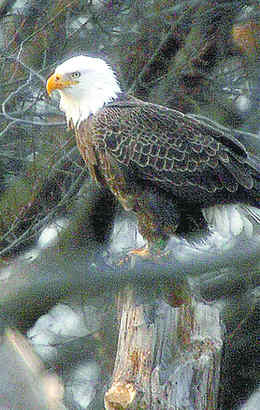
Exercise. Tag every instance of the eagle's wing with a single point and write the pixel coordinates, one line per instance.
(174, 150)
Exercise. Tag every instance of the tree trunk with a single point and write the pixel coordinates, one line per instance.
(169, 362)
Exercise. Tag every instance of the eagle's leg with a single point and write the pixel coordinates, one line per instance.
(158, 218)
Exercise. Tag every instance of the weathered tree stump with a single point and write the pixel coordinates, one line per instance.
(172, 362)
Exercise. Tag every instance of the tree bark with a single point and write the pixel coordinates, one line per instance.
(169, 362)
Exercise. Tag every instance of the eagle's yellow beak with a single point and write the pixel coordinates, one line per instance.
(58, 82)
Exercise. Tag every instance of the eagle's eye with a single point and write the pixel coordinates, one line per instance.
(76, 74)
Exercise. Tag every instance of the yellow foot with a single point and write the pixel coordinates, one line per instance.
(144, 253)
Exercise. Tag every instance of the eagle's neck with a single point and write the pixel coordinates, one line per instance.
(87, 100)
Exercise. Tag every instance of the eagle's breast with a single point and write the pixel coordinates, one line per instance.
(102, 167)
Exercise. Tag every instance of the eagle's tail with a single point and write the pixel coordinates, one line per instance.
(251, 212)
(254, 164)
(232, 220)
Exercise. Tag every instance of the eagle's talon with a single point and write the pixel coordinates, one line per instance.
(145, 253)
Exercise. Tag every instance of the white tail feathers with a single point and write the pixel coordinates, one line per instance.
(232, 220)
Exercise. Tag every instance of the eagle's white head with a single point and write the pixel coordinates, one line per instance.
(85, 84)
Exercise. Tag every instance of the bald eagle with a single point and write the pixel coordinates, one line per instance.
(163, 165)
